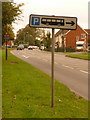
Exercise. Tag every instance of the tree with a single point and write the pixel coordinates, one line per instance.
(37, 43)
(10, 13)
(28, 35)
(46, 39)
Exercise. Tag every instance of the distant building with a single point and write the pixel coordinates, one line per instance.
(9, 43)
(68, 38)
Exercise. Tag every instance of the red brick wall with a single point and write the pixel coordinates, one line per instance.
(9, 43)
(71, 37)
(88, 31)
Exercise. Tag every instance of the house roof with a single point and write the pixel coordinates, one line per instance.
(79, 27)
(88, 31)
(65, 32)
(61, 32)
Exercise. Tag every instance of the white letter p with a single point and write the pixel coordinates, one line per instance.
(36, 20)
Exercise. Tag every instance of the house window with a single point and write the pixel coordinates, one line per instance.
(83, 36)
(77, 38)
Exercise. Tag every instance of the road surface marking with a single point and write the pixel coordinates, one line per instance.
(56, 63)
(84, 71)
(67, 66)
(45, 60)
(25, 56)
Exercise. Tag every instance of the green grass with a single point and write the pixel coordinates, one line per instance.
(27, 90)
(85, 56)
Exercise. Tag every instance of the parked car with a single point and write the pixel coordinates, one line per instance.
(26, 46)
(30, 47)
(20, 47)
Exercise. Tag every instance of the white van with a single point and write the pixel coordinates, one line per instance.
(42, 47)
(80, 45)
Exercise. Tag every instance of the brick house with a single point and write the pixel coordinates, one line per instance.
(10, 43)
(68, 38)
(88, 31)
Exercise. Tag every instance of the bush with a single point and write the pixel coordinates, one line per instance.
(65, 50)
(59, 50)
(70, 50)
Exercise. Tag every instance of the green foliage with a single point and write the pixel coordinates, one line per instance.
(28, 35)
(85, 56)
(9, 29)
(10, 13)
(70, 49)
(61, 49)
(46, 39)
(37, 43)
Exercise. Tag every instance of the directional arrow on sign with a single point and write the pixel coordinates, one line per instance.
(72, 23)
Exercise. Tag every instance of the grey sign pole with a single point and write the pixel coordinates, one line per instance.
(6, 39)
(52, 68)
(59, 22)
(6, 50)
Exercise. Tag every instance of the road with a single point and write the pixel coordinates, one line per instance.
(72, 72)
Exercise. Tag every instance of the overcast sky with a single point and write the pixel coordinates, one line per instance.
(73, 8)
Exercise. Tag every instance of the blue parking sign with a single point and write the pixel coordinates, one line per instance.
(35, 20)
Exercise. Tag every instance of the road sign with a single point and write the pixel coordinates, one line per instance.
(54, 22)
(57, 22)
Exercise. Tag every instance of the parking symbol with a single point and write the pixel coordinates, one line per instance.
(35, 20)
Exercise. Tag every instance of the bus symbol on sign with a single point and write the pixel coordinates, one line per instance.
(35, 20)
(52, 21)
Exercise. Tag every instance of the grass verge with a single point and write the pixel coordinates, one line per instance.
(27, 90)
(85, 56)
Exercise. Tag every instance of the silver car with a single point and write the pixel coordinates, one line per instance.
(20, 47)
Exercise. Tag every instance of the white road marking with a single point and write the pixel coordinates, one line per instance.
(68, 66)
(56, 63)
(45, 60)
(25, 56)
(84, 71)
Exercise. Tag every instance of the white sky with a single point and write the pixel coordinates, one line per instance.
(72, 8)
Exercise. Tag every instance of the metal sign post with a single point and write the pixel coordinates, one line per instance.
(6, 38)
(6, 50)
(52, 68)
(54, 22)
